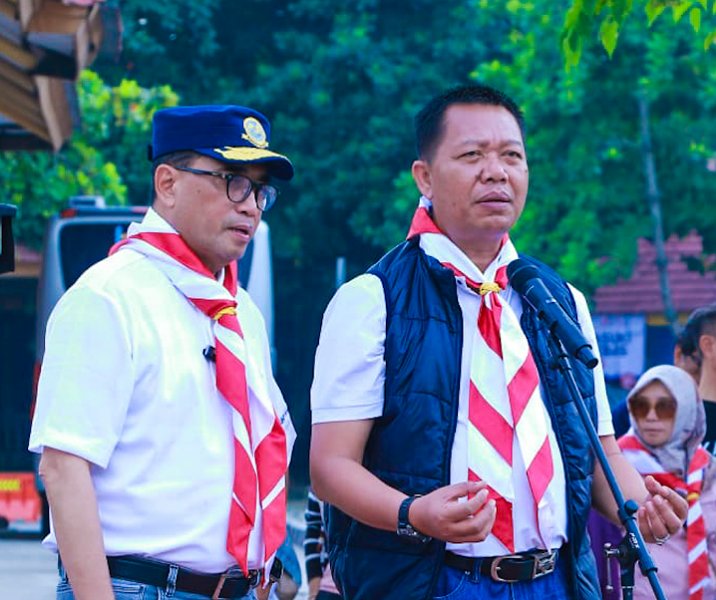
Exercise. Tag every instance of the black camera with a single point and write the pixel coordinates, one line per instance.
(7, 245)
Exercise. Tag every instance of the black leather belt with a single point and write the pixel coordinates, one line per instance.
(509, 569)
(232, 584)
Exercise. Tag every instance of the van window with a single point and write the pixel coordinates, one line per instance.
(84, 244)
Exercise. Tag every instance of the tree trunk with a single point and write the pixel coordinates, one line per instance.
(653, 197)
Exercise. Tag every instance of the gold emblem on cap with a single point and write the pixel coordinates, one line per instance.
(254, 132)
(246, 153)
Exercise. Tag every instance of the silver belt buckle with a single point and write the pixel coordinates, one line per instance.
(545, 563)
(496, 565)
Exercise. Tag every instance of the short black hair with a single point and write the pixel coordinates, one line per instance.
(429, 121)
(688, 345)
(181, 158)
(701, 321)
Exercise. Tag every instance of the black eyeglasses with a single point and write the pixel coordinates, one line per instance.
(239, 187)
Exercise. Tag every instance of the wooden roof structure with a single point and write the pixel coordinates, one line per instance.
(641, 293)
(44, 44)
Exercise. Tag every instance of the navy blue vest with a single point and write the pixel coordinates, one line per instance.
(410, 445)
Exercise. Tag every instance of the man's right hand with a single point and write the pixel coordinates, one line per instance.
(447, 515)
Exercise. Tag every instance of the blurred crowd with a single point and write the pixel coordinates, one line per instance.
(667, 429)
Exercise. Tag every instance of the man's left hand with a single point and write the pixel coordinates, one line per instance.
(662, 514)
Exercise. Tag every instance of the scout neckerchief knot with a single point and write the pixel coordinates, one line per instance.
(259, 439)
(504, 402)
(646, 464)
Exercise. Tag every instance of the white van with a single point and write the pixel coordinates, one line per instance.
(82, 235)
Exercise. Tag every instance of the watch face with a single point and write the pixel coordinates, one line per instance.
(407, 532)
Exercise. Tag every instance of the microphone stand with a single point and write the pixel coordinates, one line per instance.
(632, 546)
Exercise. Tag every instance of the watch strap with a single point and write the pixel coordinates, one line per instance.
(405, 529)
(404, 511)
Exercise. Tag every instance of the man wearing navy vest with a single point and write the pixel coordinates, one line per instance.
(443, 438)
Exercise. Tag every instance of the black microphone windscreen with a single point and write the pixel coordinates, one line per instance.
(519, 272)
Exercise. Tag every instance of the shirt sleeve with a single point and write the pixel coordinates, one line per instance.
(604, 413)
(87, 377)
(349, 371)
(312, 542)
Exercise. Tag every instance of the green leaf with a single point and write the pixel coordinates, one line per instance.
(572, 50)
(709, 40)
(653, 9)
(608, 34)
(679, 8)
(573, 15)
(695, 18)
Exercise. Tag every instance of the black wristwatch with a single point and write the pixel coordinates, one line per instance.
(405, 529)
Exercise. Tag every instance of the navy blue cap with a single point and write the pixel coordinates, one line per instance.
(230, 134)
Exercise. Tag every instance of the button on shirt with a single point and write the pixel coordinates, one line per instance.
(125, 386)
(349, 385)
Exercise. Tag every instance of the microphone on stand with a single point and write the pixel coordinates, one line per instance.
(525, 279)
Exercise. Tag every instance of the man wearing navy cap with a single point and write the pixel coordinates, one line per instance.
(164, 437)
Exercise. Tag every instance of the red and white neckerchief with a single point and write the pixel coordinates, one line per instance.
(646, 464)
(260, 456)
(505, 404)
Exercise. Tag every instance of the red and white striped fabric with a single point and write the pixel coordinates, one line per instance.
(646, 464)
(505, 403)
(259, 439)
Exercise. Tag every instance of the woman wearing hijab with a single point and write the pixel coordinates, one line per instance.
(667, 426)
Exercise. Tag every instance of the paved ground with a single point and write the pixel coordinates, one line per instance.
(29, 572)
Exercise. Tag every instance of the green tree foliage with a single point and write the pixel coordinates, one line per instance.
(105, 157)
(116, 121)
(588, 178)
(341, 81)
(606, 18)
(168, 42)
(346, 79)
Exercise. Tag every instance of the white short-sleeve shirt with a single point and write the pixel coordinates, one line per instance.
(125, 385)
(348, 385)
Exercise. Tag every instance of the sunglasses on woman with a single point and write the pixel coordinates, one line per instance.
(640, 407)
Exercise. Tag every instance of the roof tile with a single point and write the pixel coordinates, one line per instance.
(641, 293)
